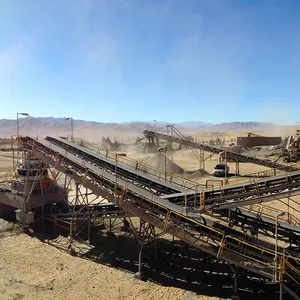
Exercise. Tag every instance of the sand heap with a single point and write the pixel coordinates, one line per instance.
(197, 174)
(159, 161)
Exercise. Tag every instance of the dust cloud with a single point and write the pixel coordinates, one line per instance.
(275, 111)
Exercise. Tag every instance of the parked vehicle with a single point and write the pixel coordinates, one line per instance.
(221, 170)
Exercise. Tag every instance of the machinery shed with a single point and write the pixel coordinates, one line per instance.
(251, 141)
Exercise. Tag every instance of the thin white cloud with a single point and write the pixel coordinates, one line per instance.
(11, 60)
(101, 51)
(80, 11)
(15, 59)
(213, 63)
(98, 49)
(274, 110)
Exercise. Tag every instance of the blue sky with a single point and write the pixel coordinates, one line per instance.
(169, 60)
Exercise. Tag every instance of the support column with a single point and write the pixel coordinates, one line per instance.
(235, 271)
(139, 273)
(201, 160)
(27, 192)
(145, 234)
(237, 168)
(73, 219)
(281, 270)
(86, 198)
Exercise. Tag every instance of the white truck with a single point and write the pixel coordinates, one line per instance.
(221, 170)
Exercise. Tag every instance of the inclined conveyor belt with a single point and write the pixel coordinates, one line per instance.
(206, 233)
(108, 179)
(260, 187)
(233, 155)
(235, 192)
(249, 221)
(125, 171)
(94, 211)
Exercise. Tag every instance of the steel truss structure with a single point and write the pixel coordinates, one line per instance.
(145, 235)
(151, 136)
(206, 234)
(218, 200)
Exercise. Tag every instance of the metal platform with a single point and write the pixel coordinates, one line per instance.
(208, 235)
(20, 201)
(215, 199)
(254, 191)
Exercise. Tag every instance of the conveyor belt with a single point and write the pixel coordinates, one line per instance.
(123, 159)
(143, 179)
(257, 256)
(233, 155)
(218, 199)
(253, 223)
(240, 191)
(255, 199)
(109, 179)
(94, 211)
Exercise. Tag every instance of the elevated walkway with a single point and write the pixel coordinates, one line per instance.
(218, 200)
(125, 167)
(209, 236)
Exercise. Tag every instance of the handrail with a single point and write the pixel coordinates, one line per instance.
(292, 267)
(262, 250)
(212, 180)
(287, 255)
(219, 233)
(234, 180)
(137, 165)
(263, 210)
(291, 277)
(288, 268)
(256, 183)
(257, 175)
(104, 171)
(224, 242)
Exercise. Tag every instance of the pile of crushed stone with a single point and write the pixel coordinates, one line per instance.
(8, 228)
(197, 174)
(159, 161)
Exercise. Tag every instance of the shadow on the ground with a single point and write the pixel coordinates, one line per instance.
(178, 265)
(175, 264)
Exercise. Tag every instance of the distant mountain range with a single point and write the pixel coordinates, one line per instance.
(192, 124)
(58, 126)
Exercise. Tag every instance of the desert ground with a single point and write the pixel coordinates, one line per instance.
(31, 268)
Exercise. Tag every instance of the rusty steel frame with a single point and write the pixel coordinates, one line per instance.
(198, 240)
(145, 235)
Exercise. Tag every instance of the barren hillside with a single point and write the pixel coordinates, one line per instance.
(124, 131)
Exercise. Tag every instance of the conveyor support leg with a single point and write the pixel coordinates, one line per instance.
(235, 272)
(237, 168)
(145, 235)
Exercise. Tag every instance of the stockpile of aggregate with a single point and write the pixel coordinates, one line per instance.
(159, 161)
